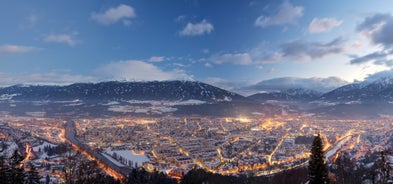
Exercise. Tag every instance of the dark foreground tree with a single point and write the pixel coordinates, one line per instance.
(141, 176)
(15, 171)
(317, 168)
(32, 176)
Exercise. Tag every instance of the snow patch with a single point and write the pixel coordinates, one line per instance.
(7, 96)
(11, 147)
(112, 103)
(228, 99)
(36, 114)
(129, 155)
(74, 104)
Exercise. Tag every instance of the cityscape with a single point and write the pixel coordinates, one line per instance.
(229, 146)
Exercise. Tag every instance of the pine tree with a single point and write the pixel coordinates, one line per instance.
(317, 168)
(47, 179)
(32, 174)
(3, 169)
(15, 171)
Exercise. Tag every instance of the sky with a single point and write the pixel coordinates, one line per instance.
(230, 44)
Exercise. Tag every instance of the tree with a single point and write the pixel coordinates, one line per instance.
(317, 168)
(70, 168)
(32, 174)
(3, 169)
(346, 171)
(47, 179)
(15, 171)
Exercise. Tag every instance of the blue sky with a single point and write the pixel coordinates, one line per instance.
(231, 43)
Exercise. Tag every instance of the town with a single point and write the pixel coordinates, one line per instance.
(174, 145)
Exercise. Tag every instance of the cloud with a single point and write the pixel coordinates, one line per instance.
(131, 70)
(377, 28)
(285, 83)
(61, 38)
(296, 51)
(236, 86)
(379, 75)
(16, 49)
(201, 28)
(122, 13)
(323, 25)
(301, 50)
(271, 58)
(138, 71)
(51, 78)
(286, 14)
(157, 59)
(208, 65)
(375, 57)
(237, 58)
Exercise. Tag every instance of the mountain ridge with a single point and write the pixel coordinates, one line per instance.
(119, 98)
(116, 90)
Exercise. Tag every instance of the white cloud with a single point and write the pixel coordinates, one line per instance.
(286, 14)
(377, 29)
(378, 75)
(61, 38)
(157, 59)
(230, 85)
(295, 51)
(15, 49)
(203, 27)
(237, 58)
(323, 25)
(138, 71)
(131, 70)
(208, 65)
(122, 13)
(51, 78)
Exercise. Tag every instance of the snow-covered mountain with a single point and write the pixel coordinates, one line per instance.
(378, 91)
(120, 91)
(123, 98)
(297, 94)
(368, 99)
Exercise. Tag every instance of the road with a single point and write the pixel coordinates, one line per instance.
(112, 169)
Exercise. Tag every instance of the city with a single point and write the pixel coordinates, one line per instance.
(175, 145)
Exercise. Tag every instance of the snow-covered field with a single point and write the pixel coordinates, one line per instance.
(7, 96)
(42, 155)
(129, 155)
(141, 109)
(36, 114)
(167, 103)
(155, 107)
(11, 147)
(113, 160)
(42, 146)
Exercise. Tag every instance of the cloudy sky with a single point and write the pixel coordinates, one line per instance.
(226, 43)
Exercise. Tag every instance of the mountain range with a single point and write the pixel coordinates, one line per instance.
(123, 98)
(111, 98)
